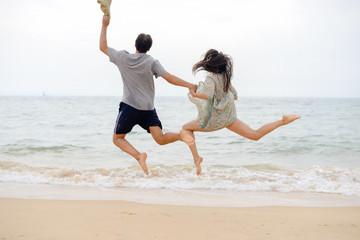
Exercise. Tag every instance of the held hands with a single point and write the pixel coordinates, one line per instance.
(193, 93)
(193, 88)
(198, 95)
(106, 20)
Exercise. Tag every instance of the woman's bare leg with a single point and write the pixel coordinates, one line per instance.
(244, 130)
(187, 136)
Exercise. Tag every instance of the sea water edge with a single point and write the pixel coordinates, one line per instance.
(317, 158)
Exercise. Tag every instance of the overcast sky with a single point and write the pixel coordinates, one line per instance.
(280, 48)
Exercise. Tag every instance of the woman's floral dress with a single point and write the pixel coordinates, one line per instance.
(219, 111)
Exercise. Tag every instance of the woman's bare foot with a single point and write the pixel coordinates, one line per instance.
(289, 118)
(186, 138)
(197, 165)
(142, 162)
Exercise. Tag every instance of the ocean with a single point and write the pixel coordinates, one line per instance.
(67, 141)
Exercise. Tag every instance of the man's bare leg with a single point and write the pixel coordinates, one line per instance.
(163, 138)
(170, 137)
(120, 141)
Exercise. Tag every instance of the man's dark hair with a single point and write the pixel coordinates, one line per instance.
(143, 42)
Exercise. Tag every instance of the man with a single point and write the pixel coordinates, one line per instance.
(137, 105)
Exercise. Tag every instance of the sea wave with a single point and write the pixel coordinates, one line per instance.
(21, 149)
(262, 177)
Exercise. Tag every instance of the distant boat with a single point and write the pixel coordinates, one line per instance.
(44, 94)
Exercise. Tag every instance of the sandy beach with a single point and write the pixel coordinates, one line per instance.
(115, 219)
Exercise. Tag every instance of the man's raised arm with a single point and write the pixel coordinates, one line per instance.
(103, 40)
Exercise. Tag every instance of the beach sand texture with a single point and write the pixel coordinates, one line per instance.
(69, 219)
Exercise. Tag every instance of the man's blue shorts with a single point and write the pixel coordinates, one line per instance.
(128, 117)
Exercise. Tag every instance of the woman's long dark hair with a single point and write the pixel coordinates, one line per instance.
(216, 62)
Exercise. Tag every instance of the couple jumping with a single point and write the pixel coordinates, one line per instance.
(214, 98)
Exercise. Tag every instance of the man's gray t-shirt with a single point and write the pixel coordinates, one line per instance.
(137, 73)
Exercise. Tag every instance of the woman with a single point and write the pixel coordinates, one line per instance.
(214, 99)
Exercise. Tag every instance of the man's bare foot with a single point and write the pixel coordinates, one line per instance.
(142, 162)
(197, 165)
(186, 138)
(289, 118)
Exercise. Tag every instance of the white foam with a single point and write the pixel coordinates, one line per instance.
(313, 180)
